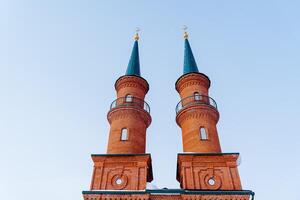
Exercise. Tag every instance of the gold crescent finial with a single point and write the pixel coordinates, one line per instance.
(185, 34)
(136, 35)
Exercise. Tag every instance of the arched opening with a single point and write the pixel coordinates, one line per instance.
(128, 98)
(203, 134)
(124, 134)
(197, 96)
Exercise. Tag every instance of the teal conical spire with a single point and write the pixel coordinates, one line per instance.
(189, 64)
(133, 67)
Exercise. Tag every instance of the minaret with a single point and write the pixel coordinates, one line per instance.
(129, 114)
(197, 113)
(202, 165)
(126, 166)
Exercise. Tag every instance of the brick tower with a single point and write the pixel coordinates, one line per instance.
(202, 166)
(204, 172)
(126, 166)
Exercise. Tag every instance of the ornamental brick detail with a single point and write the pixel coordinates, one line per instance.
(129, 113)
(192, 79)
(215, 197)
(112, 172)
(132, 84)
(116, 196)
(208, 172)
(200, 112)
(164, 197)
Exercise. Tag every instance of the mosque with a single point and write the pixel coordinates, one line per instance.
(203, 170)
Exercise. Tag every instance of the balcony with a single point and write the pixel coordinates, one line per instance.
(130, 102)
(195, 100)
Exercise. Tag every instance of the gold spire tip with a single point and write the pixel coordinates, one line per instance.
(185, 34)
(136, 35)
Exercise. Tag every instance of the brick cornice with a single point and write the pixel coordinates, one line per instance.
(148, 196)
(116, 196)
(192, 79)
(122, 113)
(198, 112)
(132, 81)
(214, 197)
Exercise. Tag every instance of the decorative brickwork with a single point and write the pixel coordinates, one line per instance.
(208, 172)
(166, 196)
(215, 197)
(126, 113)
(187, 84)
(198, 112)
(116, 196)
(121, 172)
(134, 85)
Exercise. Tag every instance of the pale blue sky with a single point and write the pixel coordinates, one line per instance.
(59, 61)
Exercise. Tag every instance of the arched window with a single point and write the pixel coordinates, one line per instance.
(128, 98)
(124, 134)
(197, 96)
(203, 133)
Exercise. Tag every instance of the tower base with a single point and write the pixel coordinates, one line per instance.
(121, 171)
(208, 171)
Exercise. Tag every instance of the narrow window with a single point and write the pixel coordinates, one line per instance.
(128, 98)
(124, 134)
(203, 134)
(197, 96)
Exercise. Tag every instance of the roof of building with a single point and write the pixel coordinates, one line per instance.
(133, 67)
(189, 63)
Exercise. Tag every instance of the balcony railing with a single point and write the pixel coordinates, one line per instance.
(130, 101)
(195, 100)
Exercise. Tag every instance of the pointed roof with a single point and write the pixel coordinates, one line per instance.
(133, 67)
(189, 64)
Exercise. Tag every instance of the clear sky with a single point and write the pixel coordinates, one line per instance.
(59, 61)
